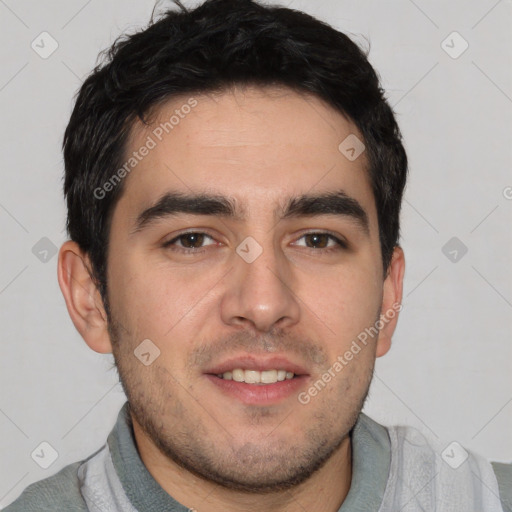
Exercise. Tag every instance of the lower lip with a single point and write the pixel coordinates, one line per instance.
(259, 394)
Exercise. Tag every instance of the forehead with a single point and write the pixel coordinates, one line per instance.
(256, 145)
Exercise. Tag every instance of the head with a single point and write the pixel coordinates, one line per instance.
(233, 179)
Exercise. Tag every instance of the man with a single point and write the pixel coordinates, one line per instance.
(233, 179)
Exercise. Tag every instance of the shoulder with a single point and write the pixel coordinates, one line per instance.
(503, 474)
(415, 447)
(58, 493)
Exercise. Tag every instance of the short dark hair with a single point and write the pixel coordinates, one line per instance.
(217, 45)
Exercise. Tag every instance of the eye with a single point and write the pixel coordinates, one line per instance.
(194, 241)
(188, 241)
(322, 240)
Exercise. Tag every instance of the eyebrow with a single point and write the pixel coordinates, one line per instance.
(306, 205)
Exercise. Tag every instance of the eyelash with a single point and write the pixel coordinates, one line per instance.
(170, 244)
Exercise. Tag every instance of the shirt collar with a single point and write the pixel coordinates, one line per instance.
(371, 459)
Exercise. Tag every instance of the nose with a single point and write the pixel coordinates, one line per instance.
(259, 294)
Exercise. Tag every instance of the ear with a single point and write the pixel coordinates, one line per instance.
(82, 297)
(391, 300)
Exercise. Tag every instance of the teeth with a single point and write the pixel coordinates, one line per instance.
(238, 375)
(269, 376)
(252, 377)
(256, 377)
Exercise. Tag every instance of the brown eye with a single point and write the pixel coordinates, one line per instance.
(317, 240)
(192, 240)
(322, 241)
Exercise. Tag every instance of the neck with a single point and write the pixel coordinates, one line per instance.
(325, 490)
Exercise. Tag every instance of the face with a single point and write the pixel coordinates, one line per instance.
(274, 271)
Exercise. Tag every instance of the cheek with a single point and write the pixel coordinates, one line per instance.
(158, 301)
(346, 301)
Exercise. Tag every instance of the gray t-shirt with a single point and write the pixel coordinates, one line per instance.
(392, 467)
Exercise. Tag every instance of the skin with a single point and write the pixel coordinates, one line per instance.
(258, 146)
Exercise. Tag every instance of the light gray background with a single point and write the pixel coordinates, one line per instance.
(449, 371)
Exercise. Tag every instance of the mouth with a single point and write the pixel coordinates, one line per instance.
(256, 377)
(256, 381)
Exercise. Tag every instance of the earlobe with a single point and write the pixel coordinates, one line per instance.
(83, 300)
(391, 301)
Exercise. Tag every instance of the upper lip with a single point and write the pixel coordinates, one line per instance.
(251, 362)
